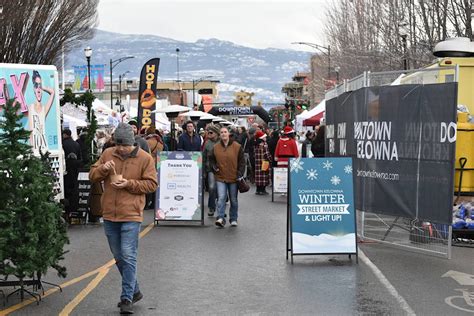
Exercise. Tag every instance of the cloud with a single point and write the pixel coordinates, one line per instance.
(258, 24)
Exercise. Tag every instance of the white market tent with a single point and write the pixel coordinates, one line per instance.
(73, 123)
(311, 117)
(100, 107)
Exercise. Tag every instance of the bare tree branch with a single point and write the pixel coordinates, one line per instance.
(35, 32)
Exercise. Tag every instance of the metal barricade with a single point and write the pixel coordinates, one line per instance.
(408, 233)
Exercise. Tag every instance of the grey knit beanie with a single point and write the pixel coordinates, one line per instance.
(213, 128)
(123, 135)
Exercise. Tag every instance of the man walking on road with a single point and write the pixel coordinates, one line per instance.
(189, 140)
(128, 173)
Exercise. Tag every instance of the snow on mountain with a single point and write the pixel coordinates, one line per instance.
(262, 71)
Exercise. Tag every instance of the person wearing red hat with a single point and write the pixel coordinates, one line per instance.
(286, 147)
(262, 163)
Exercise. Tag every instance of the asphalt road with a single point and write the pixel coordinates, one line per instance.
(243, 271)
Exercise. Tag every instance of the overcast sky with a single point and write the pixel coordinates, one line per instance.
(258, 24)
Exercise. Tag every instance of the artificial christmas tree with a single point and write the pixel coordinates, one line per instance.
(30, 218)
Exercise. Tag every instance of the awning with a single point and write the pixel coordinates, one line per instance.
(314, 116)
(314, 120)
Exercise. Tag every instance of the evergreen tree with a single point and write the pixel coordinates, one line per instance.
(32, 233)
(86, 100)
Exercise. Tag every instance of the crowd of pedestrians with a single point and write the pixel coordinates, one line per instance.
(126, 167)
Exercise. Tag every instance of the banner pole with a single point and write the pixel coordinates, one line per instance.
(288, 206)
(273, 186)
(203, 185)
(288, 233)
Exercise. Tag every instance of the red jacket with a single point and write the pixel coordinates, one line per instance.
(286, 148)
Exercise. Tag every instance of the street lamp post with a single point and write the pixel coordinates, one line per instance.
(113, 64)
(120, 85)
(177, 64)
(196, 82)
(405, 59)
(88, 53)
(320, 48)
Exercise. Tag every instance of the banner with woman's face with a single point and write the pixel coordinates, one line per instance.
(35, 88)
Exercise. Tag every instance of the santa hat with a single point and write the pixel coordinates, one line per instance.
(260, 135)
(288, 130)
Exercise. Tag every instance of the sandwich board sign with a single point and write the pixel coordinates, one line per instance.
(321, 212)
(180, 194)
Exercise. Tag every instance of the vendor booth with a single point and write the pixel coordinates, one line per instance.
(312, 117)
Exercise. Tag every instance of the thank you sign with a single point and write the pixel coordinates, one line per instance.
(179, 196)
(322, 206)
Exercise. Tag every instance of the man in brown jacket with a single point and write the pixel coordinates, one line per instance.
(228, 163)
(128, 173)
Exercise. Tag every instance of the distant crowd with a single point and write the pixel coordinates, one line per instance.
(262, 148)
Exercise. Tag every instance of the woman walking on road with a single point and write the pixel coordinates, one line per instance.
(228, 163)
(212, 139)
(262, 163)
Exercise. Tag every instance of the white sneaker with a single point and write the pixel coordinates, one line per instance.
(233, 224)
(220, 223)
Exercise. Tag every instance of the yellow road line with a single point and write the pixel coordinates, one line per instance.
(55, 289)
(82, 295)
(27, 302)
(147, 229)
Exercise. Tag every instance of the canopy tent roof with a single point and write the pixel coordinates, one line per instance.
(314, 116)
(314, 120)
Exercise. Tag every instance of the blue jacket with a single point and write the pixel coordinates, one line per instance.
(187, 143)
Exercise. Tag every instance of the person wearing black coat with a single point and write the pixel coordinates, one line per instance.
(317, 146)
(85, 151)
(272, 143)
(72, 152)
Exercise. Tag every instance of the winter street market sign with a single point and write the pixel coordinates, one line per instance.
(322, 206)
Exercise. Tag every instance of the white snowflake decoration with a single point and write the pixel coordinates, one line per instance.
(348, 169)
(312, 174)
(296, 165)
(327, 165)
(335, 180)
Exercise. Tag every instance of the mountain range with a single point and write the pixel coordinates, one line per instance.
(262, 71)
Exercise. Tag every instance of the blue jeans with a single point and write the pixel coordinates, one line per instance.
(222, 189)
(211, 181)
(123, 242)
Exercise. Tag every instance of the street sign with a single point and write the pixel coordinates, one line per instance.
(179, 196)
(280, 180)
(321, 209)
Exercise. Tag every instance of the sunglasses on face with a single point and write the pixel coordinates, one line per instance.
(37, 85)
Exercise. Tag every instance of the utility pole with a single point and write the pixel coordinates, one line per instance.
(405, 51)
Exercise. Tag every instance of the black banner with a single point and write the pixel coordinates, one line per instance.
(402, 139)
(147, 93)
(241, 111)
